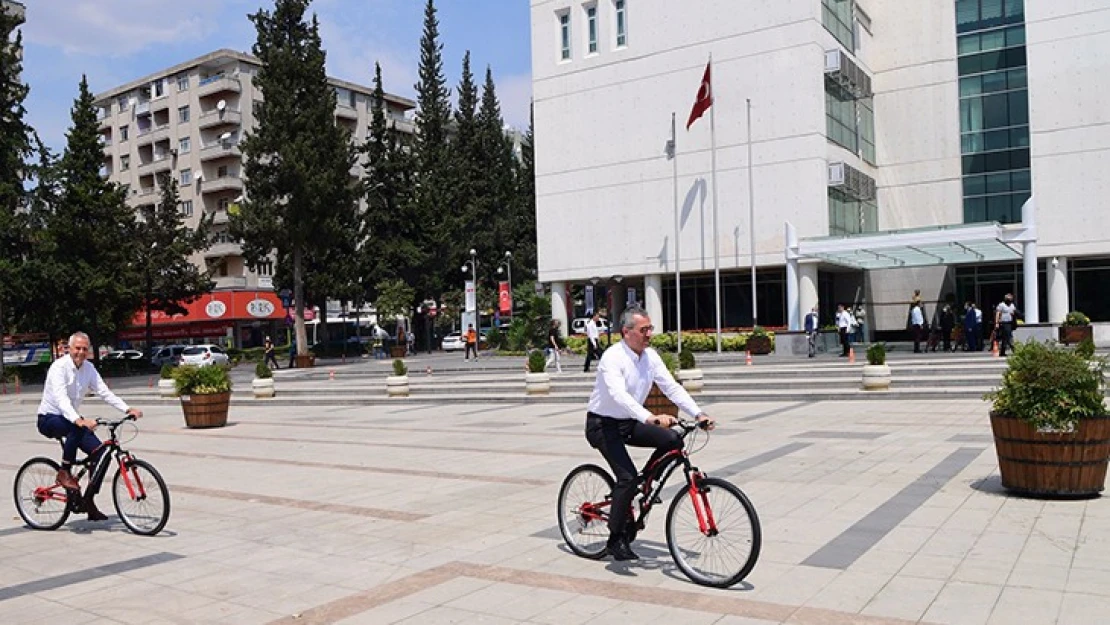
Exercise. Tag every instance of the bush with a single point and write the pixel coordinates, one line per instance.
(1050, 387)
(686, 359)
(876, 354)
(1086, 348)
(1076, 318)
(191, 380)
(577, 344)
(537, 363)
(665, 341)
(670, 360)
(262, 372)
(166, 373)
(399, 368)
(496, 338)
(734, 343)
(519, 337)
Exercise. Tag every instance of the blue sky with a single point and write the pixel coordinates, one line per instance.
(116, 41)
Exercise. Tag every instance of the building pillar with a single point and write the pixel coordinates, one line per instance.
(619, 295)
(1031, 305)
(1057, 283)
(559, 305)
(807, 288)
(653, 299)
(793, 307)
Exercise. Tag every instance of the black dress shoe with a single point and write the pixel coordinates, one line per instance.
(620, 550)
(94, 513)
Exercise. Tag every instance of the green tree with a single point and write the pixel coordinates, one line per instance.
(91, 271)
(163, 244)
(300, 198)
(524, 207)
(394, 298)
(15, 149)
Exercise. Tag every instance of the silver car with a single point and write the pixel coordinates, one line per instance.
(204, 355)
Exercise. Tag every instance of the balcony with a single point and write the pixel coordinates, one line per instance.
(160, 104)
(157, 164)
(142, 108)
(151, 134)
(143, 195)
(346, 111)
(230, 282)
(213, 119)
(218, 84)
(220, 250)
(219, 217)
(227, 183)
(219, 150)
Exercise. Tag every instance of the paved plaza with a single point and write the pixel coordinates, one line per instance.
(872, 512)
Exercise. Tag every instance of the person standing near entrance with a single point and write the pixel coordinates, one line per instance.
(1004, 316)
(971, 328)
(593, 341)
(917, 325)
(811, 331)
(843, 323)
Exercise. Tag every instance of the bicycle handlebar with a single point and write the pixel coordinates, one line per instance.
(114, 424)
(687, 425)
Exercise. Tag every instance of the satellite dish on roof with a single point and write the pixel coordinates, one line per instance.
(221, 105)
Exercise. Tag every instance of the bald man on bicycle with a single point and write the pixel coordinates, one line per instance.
(616, 416)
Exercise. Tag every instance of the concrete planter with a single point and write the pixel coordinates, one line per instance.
(537, 383)
(262, 387)
(691, 379)
(876, 377)
(166, 387)
(397, 386)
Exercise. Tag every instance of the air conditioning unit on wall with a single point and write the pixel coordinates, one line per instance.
(851, 181)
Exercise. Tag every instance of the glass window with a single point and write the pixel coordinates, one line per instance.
(992, 40)
(183, 115)
(1015, 36)
(1017, 78)
(1019, 137)
(123, 132)
(975, 185)
(975, 210)
(186, 208)
(158, 88)
(998, 183)
(990, 11)
(591, 29)
(186, 177)
(867, 130)
(124, 162)
(1020, 180)
(968, 44)
(123, 102)
(622, 24)
(994, 81)
(999, 208)
(183, 82)
(840, 113)
(183, 145)
(996, 111)
(836, 15)
(973, 85)
(564, 36)
(1018, 107)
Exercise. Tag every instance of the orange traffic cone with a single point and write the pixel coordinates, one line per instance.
(150, 382)
(851, 355)
(748, 358)
(17, 385)
(994, 348)
(331, 374)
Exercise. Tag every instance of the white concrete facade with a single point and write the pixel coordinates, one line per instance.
(602, 119)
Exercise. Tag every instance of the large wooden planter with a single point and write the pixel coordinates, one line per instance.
(1070, 335)
(1052, 463)
(206, 411)
(305, 362)
(658, 403)
(758, 345)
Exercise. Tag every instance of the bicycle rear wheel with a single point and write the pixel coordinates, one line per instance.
(141, 498)
(39, 499)
(584, 510)
(727, 551)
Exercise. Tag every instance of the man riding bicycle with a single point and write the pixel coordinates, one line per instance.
(616, 416)
(69, 379)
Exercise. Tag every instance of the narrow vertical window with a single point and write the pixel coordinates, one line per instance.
(622, 26)
(564, 35)
(591, 29)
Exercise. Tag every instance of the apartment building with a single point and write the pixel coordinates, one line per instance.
(187, 121)
(976, 126)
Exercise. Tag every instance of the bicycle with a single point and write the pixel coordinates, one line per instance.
(703, 517)
(138, 491)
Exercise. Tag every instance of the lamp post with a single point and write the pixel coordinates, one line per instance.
(473, 262)
(507, 265)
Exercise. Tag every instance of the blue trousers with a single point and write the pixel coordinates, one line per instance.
(74, 436)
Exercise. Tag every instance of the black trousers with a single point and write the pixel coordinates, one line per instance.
(844, 341)
(1005, 337)
(593, 351)
(609, 436)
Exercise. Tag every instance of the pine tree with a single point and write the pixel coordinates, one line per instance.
(524, 206)
(169, 278)
(91, 259)
(300, 199)
(15, 149)
(496, 160)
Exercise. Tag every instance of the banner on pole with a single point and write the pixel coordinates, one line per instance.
(589, 300)
(471, 297)
(630, 300)
(505, 298)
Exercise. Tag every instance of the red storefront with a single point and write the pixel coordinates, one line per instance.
(241, 318)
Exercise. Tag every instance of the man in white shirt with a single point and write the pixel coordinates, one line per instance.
(593, 341)
(917, 326)
(616, 416)
(843, 324)
(69, 379)
(1004, 316)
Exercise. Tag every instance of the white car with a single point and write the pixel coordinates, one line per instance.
(202, 355)
(578, 326)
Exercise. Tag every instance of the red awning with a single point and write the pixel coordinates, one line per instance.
(221, 307)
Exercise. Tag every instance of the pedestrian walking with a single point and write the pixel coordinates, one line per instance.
(554, 344)
(268, 349)
(593, 341)
(1005, 314)
(843, 322)
(811, 331)
(971, 332)
(292, 352)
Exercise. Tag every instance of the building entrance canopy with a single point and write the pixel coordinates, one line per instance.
(918, 247)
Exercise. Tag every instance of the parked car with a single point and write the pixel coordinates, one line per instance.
(202, 355)
(124, 354)
(167, 355)
(578, 326)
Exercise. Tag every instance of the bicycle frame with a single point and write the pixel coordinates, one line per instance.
(108, 450)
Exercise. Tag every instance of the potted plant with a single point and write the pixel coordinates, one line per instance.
(166, 386)
(760, 341)
(688, 374)
(397, 385)
(205, 393)
(537, 381)
(876, 373)
(263, 383)
(1076, 328)
(1051, 430)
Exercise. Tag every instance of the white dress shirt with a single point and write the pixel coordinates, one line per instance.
(843, 319)
(624, 381)
(66, 386)
(916, 318)
(591, 331)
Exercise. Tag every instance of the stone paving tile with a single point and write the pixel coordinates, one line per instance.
(963, 602)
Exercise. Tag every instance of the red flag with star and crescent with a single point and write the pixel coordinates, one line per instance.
(704, 99)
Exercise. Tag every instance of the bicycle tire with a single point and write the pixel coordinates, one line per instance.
(714, 560)
(584, 534)
(147, 514)
(39, 513)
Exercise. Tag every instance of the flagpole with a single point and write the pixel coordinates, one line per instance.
(677, 233)
(716, 240)
(751, 215)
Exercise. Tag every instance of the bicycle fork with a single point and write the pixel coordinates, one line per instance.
(133, 483)
(699, 494)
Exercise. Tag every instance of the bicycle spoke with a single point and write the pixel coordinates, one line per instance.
(715, 558)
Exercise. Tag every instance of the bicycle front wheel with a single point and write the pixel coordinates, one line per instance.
(725, 551)
(39, 499)
(141, 498)
(584, 510)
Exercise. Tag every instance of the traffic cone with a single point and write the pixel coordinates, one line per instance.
(17, 385)
(428, 371)
(748, 357)
(150, 382)
(994, 348)
(851, 355)
(331, 374)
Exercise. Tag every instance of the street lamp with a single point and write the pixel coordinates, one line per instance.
(473, 262)
(507, 265)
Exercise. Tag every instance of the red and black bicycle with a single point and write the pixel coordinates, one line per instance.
(138, 491)
(712, 528)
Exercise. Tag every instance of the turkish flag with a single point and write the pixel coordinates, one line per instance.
(505, 299)
(704, 99)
